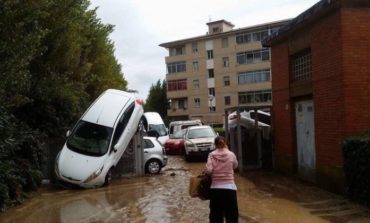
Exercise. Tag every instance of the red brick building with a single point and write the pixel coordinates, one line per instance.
(321, 88)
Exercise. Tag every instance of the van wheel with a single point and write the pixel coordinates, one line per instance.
(108, 177)
(153, 166)
(187, 157)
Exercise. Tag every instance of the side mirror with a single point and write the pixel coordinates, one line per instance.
(68, 133)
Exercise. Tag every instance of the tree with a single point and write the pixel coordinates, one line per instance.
(157, 99)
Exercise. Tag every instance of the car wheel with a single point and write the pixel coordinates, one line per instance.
(153, 166)
(108, 177)
(187, 157)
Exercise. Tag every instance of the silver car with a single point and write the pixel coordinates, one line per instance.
(154, 155)
(199, 141)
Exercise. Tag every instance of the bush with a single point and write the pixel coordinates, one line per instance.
(20, 159)
(220, 131)
(356, 165)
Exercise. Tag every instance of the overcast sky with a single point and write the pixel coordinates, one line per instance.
(141, 25)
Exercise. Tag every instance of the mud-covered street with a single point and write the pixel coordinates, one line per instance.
(262, 197)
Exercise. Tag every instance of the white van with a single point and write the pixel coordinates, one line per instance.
(153, 121)
(176, 126)
(98, 140)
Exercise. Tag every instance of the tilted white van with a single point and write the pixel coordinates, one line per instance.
(152, 121)
(98, 140)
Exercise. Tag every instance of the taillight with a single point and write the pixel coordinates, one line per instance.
(163, 150)
(138, 101)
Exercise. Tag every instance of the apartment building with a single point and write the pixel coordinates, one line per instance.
(225, 68)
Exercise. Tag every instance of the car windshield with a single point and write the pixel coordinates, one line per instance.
(90, 139)
(161, 129)
(201, 133)
(179, 135)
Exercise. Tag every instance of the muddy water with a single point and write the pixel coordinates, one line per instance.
(262, 197)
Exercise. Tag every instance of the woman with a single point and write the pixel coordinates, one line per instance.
(223, 202)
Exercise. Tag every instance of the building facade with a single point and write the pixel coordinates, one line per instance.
(225, 68)
(321, 70)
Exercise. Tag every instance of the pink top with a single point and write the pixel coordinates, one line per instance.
(221, 164)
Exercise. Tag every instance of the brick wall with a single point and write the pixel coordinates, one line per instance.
(356, 67)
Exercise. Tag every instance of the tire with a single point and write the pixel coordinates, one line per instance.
(108, 177)
(187, 157)
(153, 166)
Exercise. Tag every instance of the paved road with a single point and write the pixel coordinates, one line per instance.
(263, 197)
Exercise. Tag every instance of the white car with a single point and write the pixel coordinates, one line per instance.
(152, 121)
(199, 141)
(154, 155)
(98, 140)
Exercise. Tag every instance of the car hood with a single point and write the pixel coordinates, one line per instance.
(76, 166)
(202, 140)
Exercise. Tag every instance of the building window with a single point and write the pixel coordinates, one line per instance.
(195, 66)
(196, 102)
(224, 42)
(302, 67)
(225, 61)
(209, 54)
(194, 47)
(254, 56)
(227, 100)
(182, 103)
(212, 109)
(211, 73)
(196, 84)
(251, 36)
(177, 85)
(226, 80)
(211, 91)
(216, 29)
(180, 50)
(176, 67)
(251, 97)
(254, 76)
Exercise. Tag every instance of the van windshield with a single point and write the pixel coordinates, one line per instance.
(90, 139)
(160, 128)
(201, 133)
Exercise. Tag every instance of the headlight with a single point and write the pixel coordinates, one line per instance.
(189, 144)
(94, 175)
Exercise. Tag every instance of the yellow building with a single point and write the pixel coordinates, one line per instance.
(225, 68)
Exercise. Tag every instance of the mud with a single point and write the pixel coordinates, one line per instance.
(262, 197)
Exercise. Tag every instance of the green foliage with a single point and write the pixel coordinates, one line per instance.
(21, 151)
(56, 58)
(356, 165)
(219, 130)
(157, 99)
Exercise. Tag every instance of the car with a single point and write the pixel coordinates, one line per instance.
(199, 141)
(98, 140)
(152, 121)
(179, 125)
(176, 144)
(154, 155)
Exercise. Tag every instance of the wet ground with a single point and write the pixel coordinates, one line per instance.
(262, 197)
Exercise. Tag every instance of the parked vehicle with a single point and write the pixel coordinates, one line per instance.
(154, 155)
(98, 140)
(199, 141)
(176, 144)
(153, 121)
(179, 125)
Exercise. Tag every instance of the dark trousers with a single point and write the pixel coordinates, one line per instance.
(223, 204)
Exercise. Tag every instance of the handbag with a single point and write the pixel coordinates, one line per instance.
(200, 186)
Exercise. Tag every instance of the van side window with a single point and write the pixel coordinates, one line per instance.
(122, 123)
(145, 123)
(148, 144)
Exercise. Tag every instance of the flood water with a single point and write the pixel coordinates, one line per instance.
(262, 197)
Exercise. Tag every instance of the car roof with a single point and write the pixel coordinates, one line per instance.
(153, 118)
(199, 127)
(107, 107)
